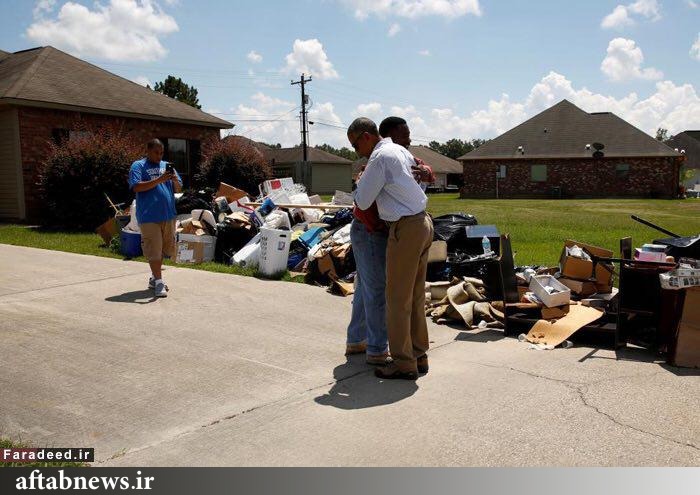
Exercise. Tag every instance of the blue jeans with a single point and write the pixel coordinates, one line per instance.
(368, 320)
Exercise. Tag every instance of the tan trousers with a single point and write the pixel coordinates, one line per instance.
(406, 267)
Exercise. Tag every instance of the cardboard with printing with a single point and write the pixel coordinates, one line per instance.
(195, 248)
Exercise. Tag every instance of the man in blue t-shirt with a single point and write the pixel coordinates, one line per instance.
(155, 184)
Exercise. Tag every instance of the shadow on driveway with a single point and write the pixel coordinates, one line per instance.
(135, 297)
(349, 393)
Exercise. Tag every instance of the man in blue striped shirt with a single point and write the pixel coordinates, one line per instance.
(388, 180)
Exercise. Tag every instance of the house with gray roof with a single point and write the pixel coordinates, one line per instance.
(567, 152)
(47, 95)
(688, 144)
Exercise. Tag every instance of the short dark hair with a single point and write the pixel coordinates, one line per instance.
(363, 124)
(389, 125)
(154, 143)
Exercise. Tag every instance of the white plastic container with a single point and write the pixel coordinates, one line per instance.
(274, 251)
(248, 255)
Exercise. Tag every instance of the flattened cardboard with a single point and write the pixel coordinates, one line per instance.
(691, 307)
(545, 332)
(107, 230)
(232, 194)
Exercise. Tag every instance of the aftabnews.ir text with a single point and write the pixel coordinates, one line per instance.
(38, 481)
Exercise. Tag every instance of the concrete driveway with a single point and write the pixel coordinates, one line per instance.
(235, 371)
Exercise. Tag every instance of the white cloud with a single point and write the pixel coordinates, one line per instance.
(627, 15)
(371, 110)
(143, 81)
(695, 49)
(394, 30)
(43, 7)
(254, 57)
(122, 30)
(413, 9)
(424, 53)
(624, 62)
(308, 57)
(673, 107)
(692, 4)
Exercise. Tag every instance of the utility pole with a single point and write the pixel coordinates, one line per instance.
(304, 121)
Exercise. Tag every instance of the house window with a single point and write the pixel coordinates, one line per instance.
(501, 172)
(184, 155)
(538, 173)
(622, 170)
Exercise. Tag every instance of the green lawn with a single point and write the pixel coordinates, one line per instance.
(538, 228)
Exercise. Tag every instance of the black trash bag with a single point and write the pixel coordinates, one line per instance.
(191, 200)
(230, 239)
(451, 229)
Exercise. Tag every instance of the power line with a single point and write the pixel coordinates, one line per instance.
(275, 120)
(304, 121)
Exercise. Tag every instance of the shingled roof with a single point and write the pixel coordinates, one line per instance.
(563, 131)
(294, 155)
(440, 163)
(49, 78)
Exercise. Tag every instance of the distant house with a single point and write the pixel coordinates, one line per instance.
(689, 141)
(47, 95)
(323, 173)
(554, 155)
(447, 171)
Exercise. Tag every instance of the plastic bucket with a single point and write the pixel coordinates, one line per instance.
(130, 244)
(274, 251)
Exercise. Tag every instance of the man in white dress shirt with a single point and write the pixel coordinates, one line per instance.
(388, 180)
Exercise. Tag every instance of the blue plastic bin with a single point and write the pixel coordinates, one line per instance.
(130, 243)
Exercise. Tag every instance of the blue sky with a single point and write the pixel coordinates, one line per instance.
(453, 68)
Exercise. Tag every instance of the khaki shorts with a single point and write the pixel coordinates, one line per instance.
(158, 240)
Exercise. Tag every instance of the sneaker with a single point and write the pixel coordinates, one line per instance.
(161, 290)
(151, 283)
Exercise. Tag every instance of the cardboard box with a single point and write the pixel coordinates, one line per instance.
(232, 194)
(195, 248)
(580, 269)
(107, 230)
(555, 313)
(579, 287)
(561, 297)
(687, 348)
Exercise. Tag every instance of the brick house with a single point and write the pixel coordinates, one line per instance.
(554, 155)
(47, 95)
(448, 172)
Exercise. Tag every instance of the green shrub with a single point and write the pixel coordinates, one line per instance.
(234, 162)
(79, 172)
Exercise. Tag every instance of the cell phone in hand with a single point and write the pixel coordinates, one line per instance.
(169, 168)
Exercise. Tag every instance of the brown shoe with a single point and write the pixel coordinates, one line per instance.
(351, 349)
(422, 363)
(392, 372)
(378, 359)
